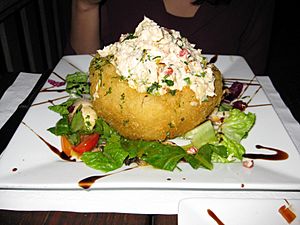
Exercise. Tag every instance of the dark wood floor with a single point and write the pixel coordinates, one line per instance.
(63, 218)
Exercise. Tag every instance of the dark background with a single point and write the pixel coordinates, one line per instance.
(284, 62)
(33, 34)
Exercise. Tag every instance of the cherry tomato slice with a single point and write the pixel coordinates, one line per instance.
(87, 144)
(67, 147)
(169, 71)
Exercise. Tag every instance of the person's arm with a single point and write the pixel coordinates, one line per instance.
(85, 36)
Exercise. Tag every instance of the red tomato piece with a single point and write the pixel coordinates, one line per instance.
(87, 144)
(66, 145)
(183, 52)
(169, 71)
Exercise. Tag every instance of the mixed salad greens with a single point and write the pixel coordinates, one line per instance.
(92, 140)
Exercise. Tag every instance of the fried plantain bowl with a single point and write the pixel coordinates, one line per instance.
(149, 109)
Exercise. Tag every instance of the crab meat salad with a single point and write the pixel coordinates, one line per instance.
(158, 60)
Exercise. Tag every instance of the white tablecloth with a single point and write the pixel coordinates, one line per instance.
(133, 201)
(15, 94)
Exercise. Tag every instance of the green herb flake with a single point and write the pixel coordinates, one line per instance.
(187, 80)
(130, 36)
(109, 91)
(156, 57)
(125, 122)
(122, 97)
(154, 87)
(172, 92)
(168, 82)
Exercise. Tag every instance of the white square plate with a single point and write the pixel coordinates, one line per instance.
(28, 163)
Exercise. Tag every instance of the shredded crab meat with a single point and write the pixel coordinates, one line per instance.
(248, 163)
(192, 150)
(158, 61)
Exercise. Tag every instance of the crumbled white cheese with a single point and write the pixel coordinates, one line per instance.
(88, 113)
(157, 60)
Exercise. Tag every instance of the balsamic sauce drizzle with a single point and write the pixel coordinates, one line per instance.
(248, 83)
(232, 79)
(61, 154)
(71, 64)
(255, 93)
(87, 182)
(247, 86)
(49, 89)
(279, 154)
(59, 76)
(259, 105)
(49, 101)
(214, 216)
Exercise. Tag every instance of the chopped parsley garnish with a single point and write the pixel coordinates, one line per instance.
(172, 92)
(130, 36)
(156, 57)
(122, 96)
(98, 62)
(109, 91)
(144, 54)
(153, 87)
(202, 74)
(169, 82)
(187, 80)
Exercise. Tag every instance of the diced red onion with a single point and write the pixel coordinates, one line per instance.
(234, 91)
(192, 150)
(56, 83)
(71, 108)
(239, 105)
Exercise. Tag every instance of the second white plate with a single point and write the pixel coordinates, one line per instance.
(204, 211)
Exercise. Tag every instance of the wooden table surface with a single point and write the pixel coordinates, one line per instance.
(8, 217)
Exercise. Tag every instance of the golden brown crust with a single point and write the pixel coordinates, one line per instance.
(143, 116)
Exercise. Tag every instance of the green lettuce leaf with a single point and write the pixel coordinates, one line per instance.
(77, 83)
(62, 108)
(111, 158)
(202, 158)
(62, 127)
(220, 154)
(104, 129)
(77, 123)
(234, 148)
(161, 156)
(201, 135)
(238, 124)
